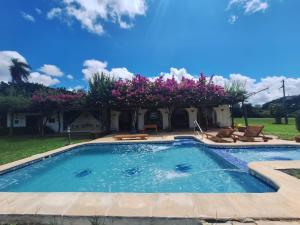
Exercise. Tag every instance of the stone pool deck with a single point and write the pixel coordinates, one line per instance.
(169, 136)
(162, 208)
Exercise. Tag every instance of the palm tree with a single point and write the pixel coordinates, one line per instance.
(19, 71)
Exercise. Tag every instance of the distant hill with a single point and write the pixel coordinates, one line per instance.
(292, 103)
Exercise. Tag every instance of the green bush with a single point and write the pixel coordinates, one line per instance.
(298, 121)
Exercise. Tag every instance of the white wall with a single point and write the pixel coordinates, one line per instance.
(165, 120)
(192, 116)
(114, 120)
(141, 118)
(19, 120)
(223, 116)
(54, 124)
(85, 122)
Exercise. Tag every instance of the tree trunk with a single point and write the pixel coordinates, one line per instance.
(103, 118)
(107, 121)
(206, 118)
(42, 125)
(245, 113)
(170, 112)
(232, 118)
(278, 120)
(59, 124)
(11, 123)
(134, 120)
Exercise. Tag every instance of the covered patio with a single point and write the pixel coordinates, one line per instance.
(182, 118)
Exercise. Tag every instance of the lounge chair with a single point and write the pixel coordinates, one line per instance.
(252, 133)
(132, 137)
(224, 135)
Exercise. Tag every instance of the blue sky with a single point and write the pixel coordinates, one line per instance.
(253, 40)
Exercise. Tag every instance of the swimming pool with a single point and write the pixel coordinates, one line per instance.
(179, 166)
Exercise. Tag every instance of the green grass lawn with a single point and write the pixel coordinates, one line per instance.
(15, 148)
(283, 131)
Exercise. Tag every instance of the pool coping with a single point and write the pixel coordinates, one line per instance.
(283, 204)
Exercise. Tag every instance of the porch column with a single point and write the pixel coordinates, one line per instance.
(192, 116)
(223, 116)
(165, 121)
(8, 116)
(114, 120)
(141, 118)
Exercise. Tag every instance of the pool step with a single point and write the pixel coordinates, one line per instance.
(231, 159)
(181, 142)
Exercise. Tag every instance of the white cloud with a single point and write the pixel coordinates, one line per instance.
(271, 82)
(249, 6)
(38, 10)
(5, 62)
(93, 13)
(93, 66)
(70, 77)
(51, 70)
(28, 17)
(39, 78)
(55, 12)
(78, 87)
(178, 74)
(232, 19)
(254, 6)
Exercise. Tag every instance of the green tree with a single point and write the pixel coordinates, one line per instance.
(237, 93)
(100, 94)
(297, 118)
(19, 71)
(277, 111)
(236, 89)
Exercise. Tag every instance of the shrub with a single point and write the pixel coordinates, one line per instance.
(277, 111)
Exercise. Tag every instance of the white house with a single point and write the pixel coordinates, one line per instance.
(121, 120)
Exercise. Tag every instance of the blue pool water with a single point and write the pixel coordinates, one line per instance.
(181, 166)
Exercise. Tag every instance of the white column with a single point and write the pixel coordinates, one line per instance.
(223, 116)
(192, 112)
(8, 116)
(114, 120)
(165, 121)
(141, 118)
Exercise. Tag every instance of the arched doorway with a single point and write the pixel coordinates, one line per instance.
(153, 117)
(180, 119)
(125, 120)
